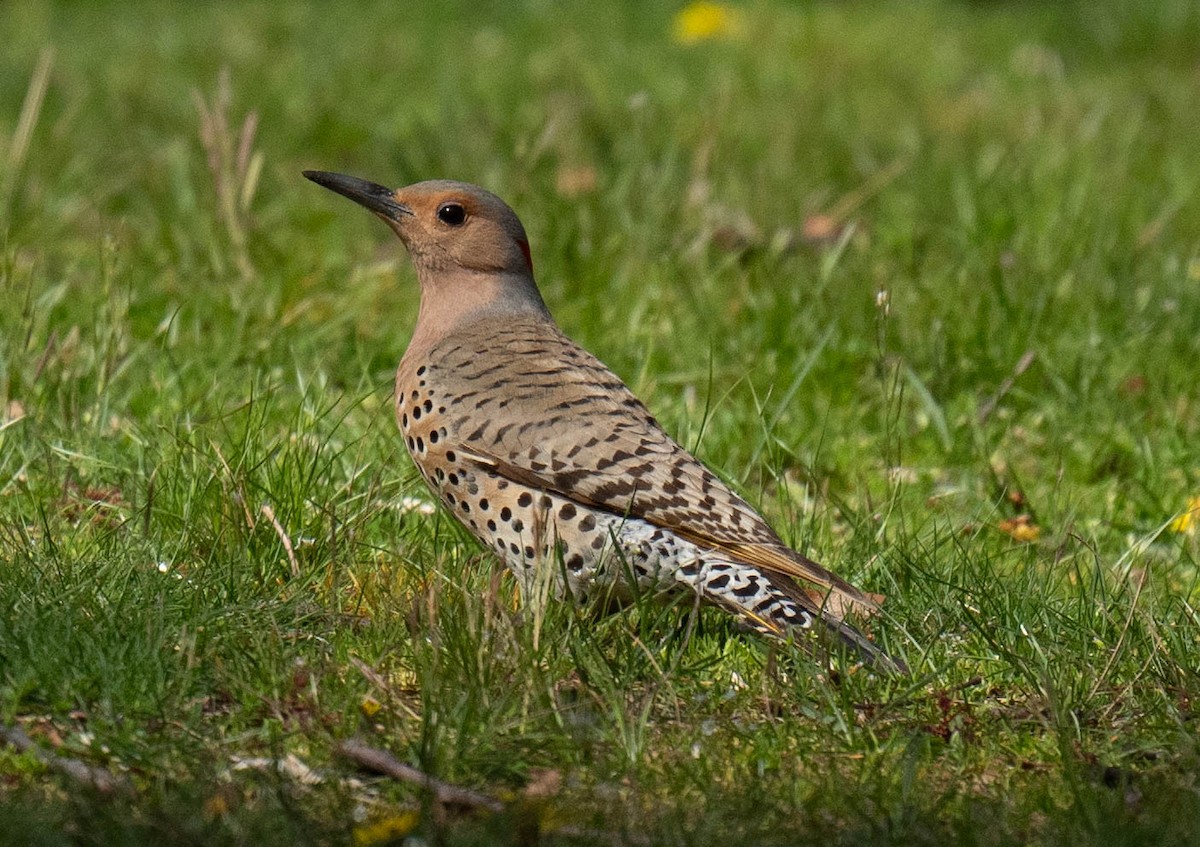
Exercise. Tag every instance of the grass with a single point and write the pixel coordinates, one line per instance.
(206, 561)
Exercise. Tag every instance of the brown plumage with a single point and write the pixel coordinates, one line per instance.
(547, 457)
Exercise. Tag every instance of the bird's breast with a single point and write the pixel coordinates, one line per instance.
(421, 412)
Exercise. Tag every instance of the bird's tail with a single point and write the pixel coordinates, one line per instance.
(822, 617)
(872, 654)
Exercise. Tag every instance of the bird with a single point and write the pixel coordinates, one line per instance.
(550, 460)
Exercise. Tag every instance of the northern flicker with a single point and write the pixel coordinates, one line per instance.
(548, 458)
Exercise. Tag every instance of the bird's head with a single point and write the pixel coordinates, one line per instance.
(447, 226)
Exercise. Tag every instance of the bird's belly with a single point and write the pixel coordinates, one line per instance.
(539, 535)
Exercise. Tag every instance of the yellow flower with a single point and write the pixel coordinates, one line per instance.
(386, 830)
(1021, 528)
(703, 21)
(1187, 521)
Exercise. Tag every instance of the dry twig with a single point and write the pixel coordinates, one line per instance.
(92, 776)
(381, 761)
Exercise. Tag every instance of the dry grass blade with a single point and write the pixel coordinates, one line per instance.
(31, 110)
(384, 687)
(989, 406)
(269, 514)
(850, 202)
(235, 168)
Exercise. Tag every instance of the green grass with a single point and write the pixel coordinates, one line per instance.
(174, 359)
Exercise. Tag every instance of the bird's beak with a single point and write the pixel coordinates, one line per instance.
(377, 198)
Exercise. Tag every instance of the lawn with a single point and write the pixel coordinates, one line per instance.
(920, 279)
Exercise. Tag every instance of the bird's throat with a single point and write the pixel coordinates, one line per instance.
(451, 301)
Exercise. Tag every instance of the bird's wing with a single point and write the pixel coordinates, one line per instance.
(603, 491)
(569, 426)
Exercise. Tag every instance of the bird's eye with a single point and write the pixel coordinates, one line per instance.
(452, 213)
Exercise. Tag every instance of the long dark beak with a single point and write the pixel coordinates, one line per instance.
(377, 198)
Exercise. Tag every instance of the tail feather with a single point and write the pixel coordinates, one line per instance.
(871, 653)
(830, 611)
